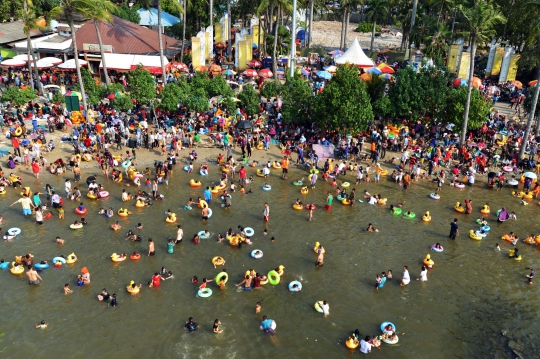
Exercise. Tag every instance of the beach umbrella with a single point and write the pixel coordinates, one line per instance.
(330, 68)
(324, 75)
(23, 57)
(518, 84)
(52, 60)
(365, 77)
(43, 64)
(228, 72)
(533, 82)
(215, 68)
(336, 53)
(386, 77)
(243, 125)
(12, 63)
(374, 71)
(265, 73)
(255, 64)
(385, 68)
(111, 96)
(459, 82)
(304, 72)
(530, 175)
(250, 73)
(70, 64)
(179, 66)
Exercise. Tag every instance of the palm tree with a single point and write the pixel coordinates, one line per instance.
(480, 18)
(184, 10)
(101, 11)
(377, 10)
(437, 43)
(30, 21)
(69, 8)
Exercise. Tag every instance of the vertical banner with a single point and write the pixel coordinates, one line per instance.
(225, 28)
(249, 50)
(196, 49)
(497, 61)
(453, 58)
(512, 69)
(464, 64)
(241, 53)
(219, 32)
(491, 57)
(505, 65)
(209, 39)
(237, 38)
(202, 49)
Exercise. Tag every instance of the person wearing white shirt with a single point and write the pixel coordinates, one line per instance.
(423, 275)
(365, 345)
(406, 277)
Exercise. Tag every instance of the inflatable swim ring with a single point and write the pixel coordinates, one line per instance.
(186, 168)
(345, 184)
(76, 226)
(139, 204)
(218, 261)
(293, 283)
(249, 231)
(485, 228)
(409, 216)
(220, 276)
(309, 206)
(59, 260)
(202, 203)
(397, 211)
(434, 248)
(92, 196)
(194, 183)
(507, 169)
(135, 257)
(171, 219)
(434, 196)
(459, 209)
(459, 185)
(16, 269)
(298, 183)
(204, 293)
(385, 324)
(39, 266)
(133, 290)
(103, 194)
(267, 187)
(352, 343)
(257, 254)
(260, 173)
(428, 261)
(72, 258)
(116, 258)
(273, 277)
(395, 340)
(82, 212)
(14, 231)
(304, 190)
(297, 206)
(203, 172)
(475, 236)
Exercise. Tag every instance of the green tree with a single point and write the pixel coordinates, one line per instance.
(95, 92)
(379, 101)
(298, 100)
(18, 97)
(250, 99)
(67, 9)
(478, 107)
(172, 94)
(344, 104)
(101, 11)
(197, 100)
(272, 89)
(122, 103)
(128, 13)
(480, 18)
(377, 11)
(141, 85)
(58, 98)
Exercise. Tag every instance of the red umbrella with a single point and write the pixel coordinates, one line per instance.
(250, 73)
(111, 96)
(385, 68)
(265, 73)
(179, 66)
(254, 64)
(533, 82)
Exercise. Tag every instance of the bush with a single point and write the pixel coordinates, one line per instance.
(17, 96)
(58, 98)
(367, 27)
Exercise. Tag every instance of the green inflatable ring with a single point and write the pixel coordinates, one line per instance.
(273, 277)
(397, 211)
(409, 216)
(220, 276)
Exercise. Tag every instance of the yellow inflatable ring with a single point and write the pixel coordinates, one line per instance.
(352, 343)
(18, 131)
(382, 201)
(123, 213)
(132, 290)
(304, 190)
(260, 173)
(72, 258)
(194, 183)
(218, 261)
(16, 269)
(203, 204)
(139, 204)
(316, 248)
(172, 219)
(297, 206)
(116, 258)
(260, 146)
(225, 169)
(276, 165)
(426, 218)
(475, 236)
(459, 209)
(92, 196)
(346, 201)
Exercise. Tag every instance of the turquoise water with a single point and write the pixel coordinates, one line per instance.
(473, 296)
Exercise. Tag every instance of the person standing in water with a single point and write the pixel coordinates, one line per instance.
(329, 199)
(320, 258)
(179, 234)
(454, 229)
(33, 276)
(266, 212)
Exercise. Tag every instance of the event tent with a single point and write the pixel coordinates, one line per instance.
(355, 56)
(124, 62)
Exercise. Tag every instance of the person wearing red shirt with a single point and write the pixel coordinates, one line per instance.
(35, 167)
(156, 280)
(242, 175)
(16, 146)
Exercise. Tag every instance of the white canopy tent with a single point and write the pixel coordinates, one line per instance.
(355, 56)
(125, 62)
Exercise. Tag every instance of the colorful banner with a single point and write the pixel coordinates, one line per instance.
(219, 34)
(241, 53)
(512, 69)
(453, 58)
(249, 50)
(464, 64)
(497, 61)
(208, 53)
(196, 49)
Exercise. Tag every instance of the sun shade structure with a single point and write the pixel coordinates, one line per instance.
(355, 56)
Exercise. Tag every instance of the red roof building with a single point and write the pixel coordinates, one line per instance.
(126, 38)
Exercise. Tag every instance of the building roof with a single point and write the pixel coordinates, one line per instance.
(13, 31)
(125, 37)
